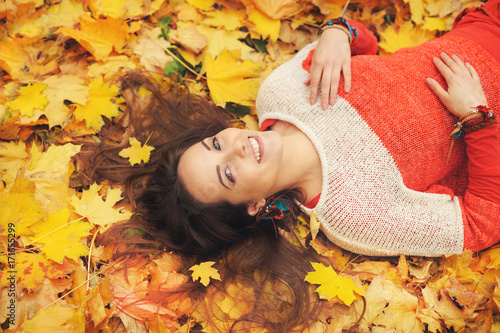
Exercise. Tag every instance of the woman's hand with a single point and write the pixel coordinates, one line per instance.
(332, 56)
(464, 88)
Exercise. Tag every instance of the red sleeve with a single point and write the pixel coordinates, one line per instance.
(483, 151)
(267, 124)
(481, 202)
(365, 43)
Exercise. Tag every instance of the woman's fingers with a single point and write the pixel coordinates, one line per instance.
(331, 90)
(472, 71)
(437, 89)
(346, 70)
(443, 68)
(314, 81)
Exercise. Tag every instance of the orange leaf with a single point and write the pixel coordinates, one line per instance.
(99, 36)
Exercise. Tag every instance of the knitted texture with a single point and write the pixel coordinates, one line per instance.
(386, 189)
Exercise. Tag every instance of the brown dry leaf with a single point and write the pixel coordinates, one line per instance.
(190, 39)
(151, 50)
(444, 306)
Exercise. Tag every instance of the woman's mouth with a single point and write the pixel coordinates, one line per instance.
(254, 143)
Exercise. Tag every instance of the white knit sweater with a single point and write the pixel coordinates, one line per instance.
(365, 206)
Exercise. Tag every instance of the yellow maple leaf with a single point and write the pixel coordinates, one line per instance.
(29, 99)
(63, 14)
(30, 268)
(229, 19)
(434, 23)
(59, 89)
(12, 156)
(98, 105)
(205, 272)
(136, 153)
(100, 36)
(401, 313)
(111, 66)
(52, 319)
(60, 238)
(109, 8)
(220, 40)
(229, 80)
(494, 255)
(201, 4)
(417, 10)
(265, 26)
(375, 301)
(97, 210)
(332, 284)
(19, 209)
(407, 36)
(51, 176)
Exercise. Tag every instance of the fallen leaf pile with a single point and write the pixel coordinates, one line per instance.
(60, 64)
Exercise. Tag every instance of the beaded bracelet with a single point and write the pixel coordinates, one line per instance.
(340, 21)
(469, 123)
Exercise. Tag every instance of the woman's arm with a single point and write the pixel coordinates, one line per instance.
(333, 56)
(482, 146)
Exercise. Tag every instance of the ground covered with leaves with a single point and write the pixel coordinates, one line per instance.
(60, 63)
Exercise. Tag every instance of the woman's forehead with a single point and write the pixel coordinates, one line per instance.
(197, 171)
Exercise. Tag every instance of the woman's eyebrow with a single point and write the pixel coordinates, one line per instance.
(220, 178)
(205, 145)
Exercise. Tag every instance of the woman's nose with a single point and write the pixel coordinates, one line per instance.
(239, 148)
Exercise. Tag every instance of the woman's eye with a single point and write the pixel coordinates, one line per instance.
(215, 143)
(229, 175)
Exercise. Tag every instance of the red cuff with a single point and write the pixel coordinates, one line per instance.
(483, 151)
(365, 43)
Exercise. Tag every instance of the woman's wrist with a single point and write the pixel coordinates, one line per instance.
(339, 24)
(336, 35)
(478, 118)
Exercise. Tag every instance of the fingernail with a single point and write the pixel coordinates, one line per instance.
(428, 81)
(324, 106)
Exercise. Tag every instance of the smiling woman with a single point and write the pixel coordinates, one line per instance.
(194, 197)
(368, 160)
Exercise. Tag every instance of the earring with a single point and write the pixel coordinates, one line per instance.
(275, 209)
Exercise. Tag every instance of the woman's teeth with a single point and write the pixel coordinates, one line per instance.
(255, 147)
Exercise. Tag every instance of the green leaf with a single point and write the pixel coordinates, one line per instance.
(237, 109)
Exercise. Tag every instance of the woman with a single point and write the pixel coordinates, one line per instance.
(371, 165)
(377, 155)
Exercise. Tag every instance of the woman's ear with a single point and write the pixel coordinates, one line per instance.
(253, 208)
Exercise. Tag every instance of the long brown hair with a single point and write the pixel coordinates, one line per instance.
(168, 218)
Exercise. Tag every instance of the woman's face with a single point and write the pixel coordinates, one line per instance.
(236, 166)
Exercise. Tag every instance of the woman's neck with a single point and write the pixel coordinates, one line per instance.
(301, 166)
